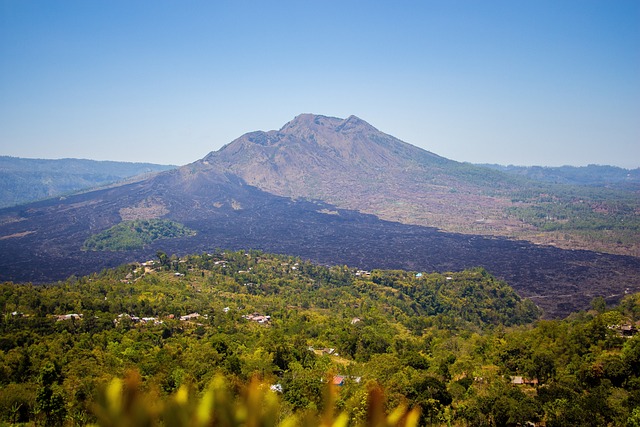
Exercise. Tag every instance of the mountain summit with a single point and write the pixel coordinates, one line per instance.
(311, 155)
(349, 163)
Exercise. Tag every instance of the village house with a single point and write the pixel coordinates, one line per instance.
(148, 266)
(258, 318)
(151, 320)
(189, 317)
(122, 316)
(338, 380)
(276, 388)
(70, 316)
(519, 380)
(626, 330)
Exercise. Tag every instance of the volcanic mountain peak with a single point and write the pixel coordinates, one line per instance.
(317, 123)
(310, 138)
(305, 130)
(312, 156)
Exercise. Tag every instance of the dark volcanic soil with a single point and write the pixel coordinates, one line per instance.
(41, 242)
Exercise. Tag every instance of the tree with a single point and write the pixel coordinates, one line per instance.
(163, 258)
(543, 366)
(431, 395)
(634, 418)
(631, 355)
(50, 401)
(302, 387)
(599, 304)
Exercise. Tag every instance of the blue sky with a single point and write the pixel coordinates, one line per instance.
(511, 82)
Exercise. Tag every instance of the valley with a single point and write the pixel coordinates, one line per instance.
(186, 242)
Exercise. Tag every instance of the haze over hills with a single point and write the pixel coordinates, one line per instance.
(582, 175)
(27, 180)
(262, 192)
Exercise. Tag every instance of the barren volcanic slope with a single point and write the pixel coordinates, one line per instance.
(351, 164)
(41, 242)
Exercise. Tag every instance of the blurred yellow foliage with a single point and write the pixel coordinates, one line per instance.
(124, 404)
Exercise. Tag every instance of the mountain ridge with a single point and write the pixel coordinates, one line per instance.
(581, 175)
(24, 180)
(344, 139)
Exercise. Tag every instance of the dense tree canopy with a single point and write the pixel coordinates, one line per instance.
(461, 346)
(135, 234)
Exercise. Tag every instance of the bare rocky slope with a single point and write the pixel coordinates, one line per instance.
(353, 165)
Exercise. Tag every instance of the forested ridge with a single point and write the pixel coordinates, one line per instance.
(461, 347)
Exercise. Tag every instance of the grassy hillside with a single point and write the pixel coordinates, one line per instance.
(452, 345)
(135, 234)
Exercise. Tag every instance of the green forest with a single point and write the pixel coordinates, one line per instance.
(135, 234)
(248, 338)
(602, 215)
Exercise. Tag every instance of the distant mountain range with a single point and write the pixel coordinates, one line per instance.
(310, 189)
(27, 180)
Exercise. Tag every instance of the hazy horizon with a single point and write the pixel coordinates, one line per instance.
(513, 83)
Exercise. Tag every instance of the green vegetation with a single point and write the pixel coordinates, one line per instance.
(594, 207)
(605, 215)
(135, 234)
(209, 334)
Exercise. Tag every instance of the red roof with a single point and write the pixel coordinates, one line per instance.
(338, 380)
